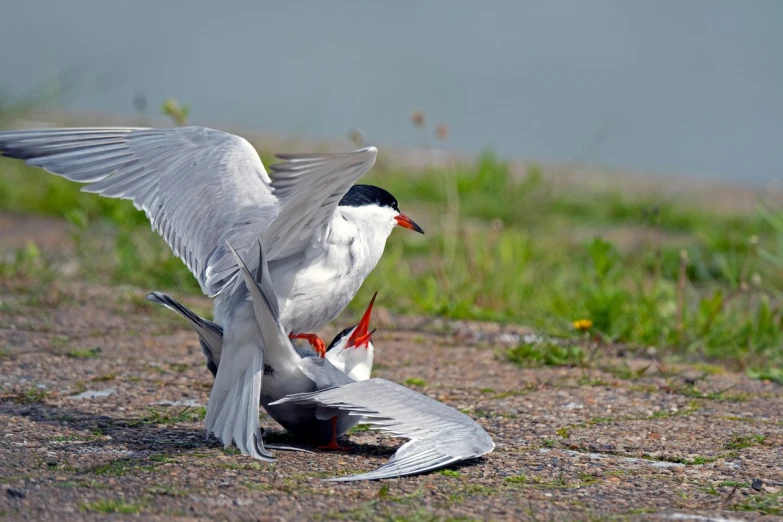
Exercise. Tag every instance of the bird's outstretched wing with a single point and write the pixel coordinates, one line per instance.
(439, 435)
(199, 187)
(309, 188)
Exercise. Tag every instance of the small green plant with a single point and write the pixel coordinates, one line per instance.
(178, 113)
(415, 381)
(449, 473)
(765, 504)
(87, 353)
(517, 479)
(360, 428)
(546, 353)
(32, 394)
(744, 441)
(106, 377)
(171, 415)
(111, 506)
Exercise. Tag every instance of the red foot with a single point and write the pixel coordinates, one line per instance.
(315, 342)
(333, 443)
(332, 446)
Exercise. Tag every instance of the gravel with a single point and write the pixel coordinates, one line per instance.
(119, 432)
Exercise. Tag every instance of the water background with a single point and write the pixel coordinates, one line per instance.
(684, 87)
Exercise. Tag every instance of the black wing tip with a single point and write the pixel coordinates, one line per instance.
(289, 156)
(156, 297)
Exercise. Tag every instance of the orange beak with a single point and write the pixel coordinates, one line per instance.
(406, 222)
(361, 335)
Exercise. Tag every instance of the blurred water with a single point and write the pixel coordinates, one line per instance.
(675, 86)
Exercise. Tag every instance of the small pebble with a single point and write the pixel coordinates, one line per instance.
(16, 493)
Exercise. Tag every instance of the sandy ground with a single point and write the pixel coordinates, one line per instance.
(102, 398)
(95, 382)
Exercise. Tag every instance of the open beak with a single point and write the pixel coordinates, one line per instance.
(361, 335)
(406, 222)
(364, 340)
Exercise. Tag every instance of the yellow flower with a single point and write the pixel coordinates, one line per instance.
(583, 325)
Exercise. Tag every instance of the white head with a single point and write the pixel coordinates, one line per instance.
(352, 351)
(375, 207)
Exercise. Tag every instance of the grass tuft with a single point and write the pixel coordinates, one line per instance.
(111, 506)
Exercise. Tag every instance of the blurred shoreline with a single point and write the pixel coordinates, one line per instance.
(721, 196)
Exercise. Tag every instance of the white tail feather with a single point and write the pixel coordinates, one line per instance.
(232, 414)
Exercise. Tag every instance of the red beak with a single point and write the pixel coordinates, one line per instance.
(406, 222)
(361, 335)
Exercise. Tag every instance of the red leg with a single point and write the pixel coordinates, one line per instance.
(333, 443)
(315, 342)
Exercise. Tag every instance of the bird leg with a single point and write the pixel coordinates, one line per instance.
(333, 443)
(314, 340)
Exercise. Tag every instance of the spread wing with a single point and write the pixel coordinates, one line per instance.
(439, 435)
(199, 187)
(309, 188)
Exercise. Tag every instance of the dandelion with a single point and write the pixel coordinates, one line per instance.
(417, 117)
(442, 132)
(583, 325)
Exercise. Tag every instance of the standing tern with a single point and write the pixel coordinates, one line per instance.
(439, 435)
(201, 187)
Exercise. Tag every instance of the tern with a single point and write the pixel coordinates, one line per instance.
(201, 187)
(351, 351)
(439, 435)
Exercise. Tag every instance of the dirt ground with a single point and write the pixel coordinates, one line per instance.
(101, 410)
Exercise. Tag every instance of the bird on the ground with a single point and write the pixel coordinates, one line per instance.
(439, 435)
(200, 188)
(351, 351)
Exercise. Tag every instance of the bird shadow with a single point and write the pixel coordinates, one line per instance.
(142, 436)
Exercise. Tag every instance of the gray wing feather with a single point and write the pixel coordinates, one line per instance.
(439, 435)
(199, 187)
(323, 373)
(309, 188)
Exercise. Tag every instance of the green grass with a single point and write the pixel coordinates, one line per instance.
(171, 415)
(87, 353)
(545, 353)
(644, 270)
(360, 428)
(744, 441)
(415, 381)
(32, 394)
(111, 506)
(517, 479)
(766, 504)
